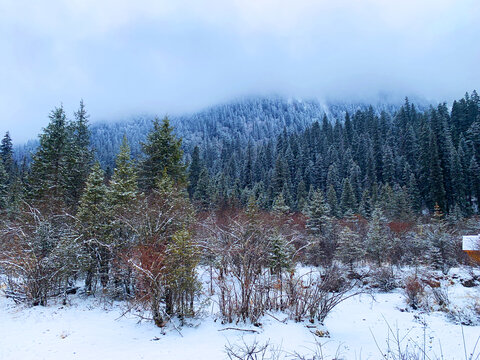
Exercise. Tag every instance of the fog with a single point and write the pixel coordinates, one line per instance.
(125, 57)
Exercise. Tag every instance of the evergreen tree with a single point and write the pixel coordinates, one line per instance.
(332, 201)
(6, 155)
(194, 171)
(49, 171)
(123, 190)
(94, 221)
(79, 156)
(437, 189)
(301, 195)
(366, 207)
(441, 243)
(162, 153)
(203, 191)
(317, 212)
(280, 206)
(350, 247)
(3, 188)
(182, 259)
(280, 254)
(348, 202)
(377, 245)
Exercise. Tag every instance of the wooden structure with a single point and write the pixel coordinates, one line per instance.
(471, 245)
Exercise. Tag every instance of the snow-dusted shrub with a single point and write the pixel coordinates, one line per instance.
(383, 278)
(414, 291)
(314, 295)
(441, 297)
(252, 351)
(39, 255)
(165, 276)
(240, 248)
(466, 314)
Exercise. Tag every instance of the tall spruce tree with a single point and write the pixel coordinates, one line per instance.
(203, 192)
(94, 222)
(3, 188)
(79, 156)
(348, 202)
(377, 244)
(163, 152)
(123, 189)
(49, 171)
(317, 212)
(194, 171)
(6, 155)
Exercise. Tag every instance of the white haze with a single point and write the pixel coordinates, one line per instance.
(124, 57)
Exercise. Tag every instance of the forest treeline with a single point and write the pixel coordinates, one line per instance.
(374, 188)
(406, 163)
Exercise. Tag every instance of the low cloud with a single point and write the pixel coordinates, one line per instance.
(125, 57)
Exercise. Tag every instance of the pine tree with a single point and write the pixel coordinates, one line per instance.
(350, 248)
(377, 245)
(365, 206)
(194, 171)
(280, 254)
(247, 173)
(3, 188)
(79, 156)
(317, 212)
(49, 170)
(388, 171)
(348, 202)
(203, 191)
(437, 189)
(280, 207)
(474, 176)
(441, 243)
(301, 195)
(414, 193)
(123, 189)
(94, 221)
(182, 258)
(6, 155)
(332, 201)
(162, 152)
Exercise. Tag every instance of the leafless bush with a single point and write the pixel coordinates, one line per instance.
(440, 295)
(384, 279)
(240, 251)
(252, 351)
(268, 351)
(316, 294)
(39, 256)
(414, 291)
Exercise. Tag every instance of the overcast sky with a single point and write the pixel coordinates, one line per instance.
(124, 57)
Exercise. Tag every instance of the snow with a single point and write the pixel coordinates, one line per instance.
(88, 328)
(471, 243)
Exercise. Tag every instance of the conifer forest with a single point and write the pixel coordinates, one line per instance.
(387, 188)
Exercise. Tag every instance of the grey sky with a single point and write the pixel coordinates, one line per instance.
(176, 56)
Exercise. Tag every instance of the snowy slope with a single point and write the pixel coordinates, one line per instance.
(90, 328)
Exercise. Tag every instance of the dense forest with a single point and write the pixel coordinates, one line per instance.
(248, 202)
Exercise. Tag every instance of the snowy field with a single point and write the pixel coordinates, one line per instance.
(92, 329)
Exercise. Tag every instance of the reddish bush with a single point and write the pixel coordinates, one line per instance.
(414, 291)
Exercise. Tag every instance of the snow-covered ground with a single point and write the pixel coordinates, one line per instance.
(90, 329)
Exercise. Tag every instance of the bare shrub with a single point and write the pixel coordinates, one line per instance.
(440, 295)
(39, 256)
(252, 351)
(316, 294)
(414, 291)
(384, 279)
